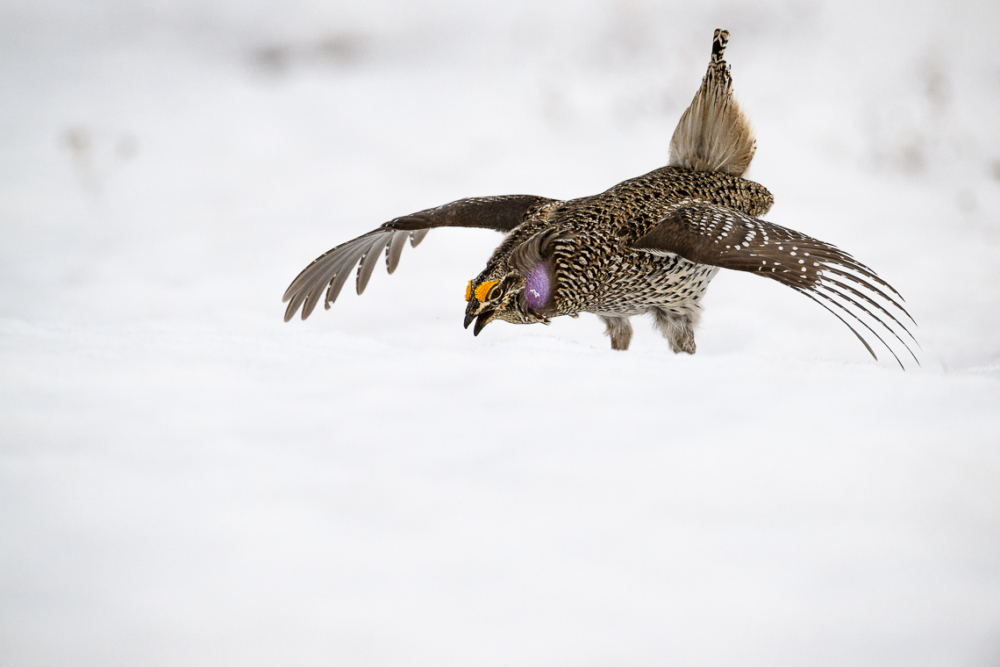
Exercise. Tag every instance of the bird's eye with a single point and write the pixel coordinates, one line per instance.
(494, 293)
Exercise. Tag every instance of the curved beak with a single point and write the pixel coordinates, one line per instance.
(484, 318)
(468, 319)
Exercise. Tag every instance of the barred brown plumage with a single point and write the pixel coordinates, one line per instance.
(649, 245)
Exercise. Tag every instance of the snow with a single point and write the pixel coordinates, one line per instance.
(186, 479)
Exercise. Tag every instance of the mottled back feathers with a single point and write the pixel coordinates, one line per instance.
(648, 245)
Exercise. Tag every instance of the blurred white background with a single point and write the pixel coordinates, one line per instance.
(186, 480)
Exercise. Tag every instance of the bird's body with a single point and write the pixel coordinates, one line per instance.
(596, 270)
(650, 244)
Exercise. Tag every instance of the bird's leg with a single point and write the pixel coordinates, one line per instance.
(677, 326)
(619, 330)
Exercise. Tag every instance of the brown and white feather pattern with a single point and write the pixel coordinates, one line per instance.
(714, 134)
(331, 270)
(648, 245)
(717, 236)
(588, 243)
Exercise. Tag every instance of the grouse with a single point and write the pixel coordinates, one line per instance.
(649, 245)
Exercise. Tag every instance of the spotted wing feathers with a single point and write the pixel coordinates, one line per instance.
(330, 271)
(722, 237)
(714, 134)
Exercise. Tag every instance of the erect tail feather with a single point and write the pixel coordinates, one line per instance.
(714, 134)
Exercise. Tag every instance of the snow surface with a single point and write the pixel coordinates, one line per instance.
(186, 480)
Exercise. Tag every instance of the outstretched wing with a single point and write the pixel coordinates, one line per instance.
(722, 237)
(331, 270)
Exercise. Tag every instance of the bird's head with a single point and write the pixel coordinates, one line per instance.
(520, 290)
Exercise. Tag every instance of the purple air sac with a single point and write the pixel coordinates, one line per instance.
(538, 286)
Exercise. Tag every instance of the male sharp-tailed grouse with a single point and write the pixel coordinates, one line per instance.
(648, 245)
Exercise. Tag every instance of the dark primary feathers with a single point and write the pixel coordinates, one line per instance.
(731, 240)
(330, 271)
(649, 245)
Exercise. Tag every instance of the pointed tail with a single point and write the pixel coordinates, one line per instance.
(714, 134)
